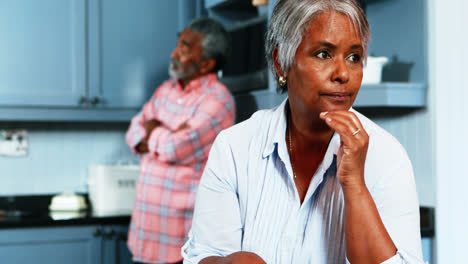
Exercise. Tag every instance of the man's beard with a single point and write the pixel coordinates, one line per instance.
(181, 73)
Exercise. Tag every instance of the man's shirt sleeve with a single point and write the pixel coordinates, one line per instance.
(136, 132)
(192, 144)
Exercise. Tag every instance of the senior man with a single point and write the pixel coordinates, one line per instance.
(173, 133)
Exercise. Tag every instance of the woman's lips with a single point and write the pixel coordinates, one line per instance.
(338, 96)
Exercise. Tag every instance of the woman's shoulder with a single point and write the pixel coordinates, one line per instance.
(254, 128)
(382, 144)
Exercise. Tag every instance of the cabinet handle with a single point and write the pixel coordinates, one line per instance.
(109, 233)
(95, 100)
(97, 232)
(83, 100)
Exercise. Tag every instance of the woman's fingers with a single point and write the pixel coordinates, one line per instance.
(344, 123)
(353, 149)
(348, 126)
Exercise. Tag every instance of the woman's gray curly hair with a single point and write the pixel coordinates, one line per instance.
(290, 19)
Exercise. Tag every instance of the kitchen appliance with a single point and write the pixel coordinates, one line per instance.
(372, 72)
(112, 189)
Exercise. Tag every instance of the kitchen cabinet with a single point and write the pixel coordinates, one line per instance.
(130, 43)
(114, 245)
(84, 60)
(95, 244)
(43, 53)
(50, 245)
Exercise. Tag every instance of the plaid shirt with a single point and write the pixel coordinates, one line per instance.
(170, 172)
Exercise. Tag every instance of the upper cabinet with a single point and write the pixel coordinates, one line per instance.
(85, 60)
(43, 53)
(130, 43)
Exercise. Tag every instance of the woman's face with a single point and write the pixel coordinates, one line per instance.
(327, 70)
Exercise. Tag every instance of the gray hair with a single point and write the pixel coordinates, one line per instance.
(215, 43)
(290, 19)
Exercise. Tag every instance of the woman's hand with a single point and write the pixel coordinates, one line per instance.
(353, 148)
(245, 257)
(240, 257)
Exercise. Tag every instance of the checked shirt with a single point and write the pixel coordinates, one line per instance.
(171, 171)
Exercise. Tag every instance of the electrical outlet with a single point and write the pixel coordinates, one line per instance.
(14, 143)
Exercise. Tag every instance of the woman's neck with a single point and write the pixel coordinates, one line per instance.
(310, 134)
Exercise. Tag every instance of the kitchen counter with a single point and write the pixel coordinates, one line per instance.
(32, 211)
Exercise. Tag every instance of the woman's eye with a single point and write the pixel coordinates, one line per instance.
(322, 55)
(354, 58)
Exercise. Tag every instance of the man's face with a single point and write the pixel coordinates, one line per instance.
(186, 56)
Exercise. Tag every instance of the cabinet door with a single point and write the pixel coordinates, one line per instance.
(50, 245)
(42, 51)
(130, 46)
(114, 246)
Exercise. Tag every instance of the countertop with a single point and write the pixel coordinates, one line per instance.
(32, 211)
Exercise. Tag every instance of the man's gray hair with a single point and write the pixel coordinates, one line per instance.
(289, 22)
(215, 43)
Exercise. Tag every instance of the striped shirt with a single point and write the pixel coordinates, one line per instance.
(170, 172)
(247, 199)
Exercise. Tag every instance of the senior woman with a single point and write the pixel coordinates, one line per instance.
(312, 180)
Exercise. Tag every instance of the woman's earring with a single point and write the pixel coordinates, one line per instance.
(282, 81)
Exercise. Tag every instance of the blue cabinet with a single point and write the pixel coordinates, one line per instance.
(50, 245)
(114, 245)
(84, 60)
(43, 53)
(96, 244)
(130, 45)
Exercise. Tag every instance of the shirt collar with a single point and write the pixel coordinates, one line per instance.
(277, 130)
(197, 83)
(277, 135)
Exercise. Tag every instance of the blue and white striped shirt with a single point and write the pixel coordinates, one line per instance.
(247, 199)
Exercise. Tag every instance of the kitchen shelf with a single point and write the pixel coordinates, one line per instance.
(383, 95)
(264, 98)
(227, 3)
(392, 94)
(236, 14)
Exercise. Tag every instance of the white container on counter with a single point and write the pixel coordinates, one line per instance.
(372, 72)
(112, 189)
(67, 201)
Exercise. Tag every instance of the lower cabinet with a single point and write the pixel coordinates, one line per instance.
(114, 245)
(96, 244)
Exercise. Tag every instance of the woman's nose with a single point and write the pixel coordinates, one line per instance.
(341, 71)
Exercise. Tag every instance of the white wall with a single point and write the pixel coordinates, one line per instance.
(448, 71)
